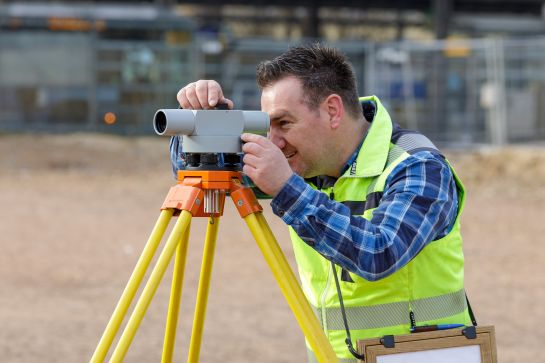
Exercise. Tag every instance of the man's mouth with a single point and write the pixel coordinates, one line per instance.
(290, 154)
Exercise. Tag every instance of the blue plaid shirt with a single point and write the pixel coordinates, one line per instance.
(419, 205)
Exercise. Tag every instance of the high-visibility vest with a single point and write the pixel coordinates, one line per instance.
(430, 287)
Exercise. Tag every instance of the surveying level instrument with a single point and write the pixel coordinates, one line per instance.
(200, 192)
(205, 131)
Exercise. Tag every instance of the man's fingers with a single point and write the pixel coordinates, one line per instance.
(182, 98)
(187, 97)
(250, 160)
(194, 103)
(253, 148)
(230, 104)
(201, 90)
(249, 171)
(214, 93)
(258, 139)
(203, 94)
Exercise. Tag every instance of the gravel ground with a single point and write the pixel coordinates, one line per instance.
(76, 212)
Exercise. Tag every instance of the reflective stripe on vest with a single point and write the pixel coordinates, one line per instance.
(391, 314)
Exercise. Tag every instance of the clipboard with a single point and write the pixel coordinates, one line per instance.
(469, 345)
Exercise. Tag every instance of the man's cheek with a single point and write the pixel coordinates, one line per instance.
(294, 166)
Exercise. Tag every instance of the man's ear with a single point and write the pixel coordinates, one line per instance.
(333, 105)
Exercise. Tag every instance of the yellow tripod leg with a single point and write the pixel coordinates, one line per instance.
(132, 286)
(175, 298)
(202, 292)
(151, 286)
(290, 288)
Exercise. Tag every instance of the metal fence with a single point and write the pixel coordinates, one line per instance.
(77, 82)
(464, 92)
(457, 92)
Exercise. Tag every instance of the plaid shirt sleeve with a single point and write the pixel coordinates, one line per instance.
(176, 155)
(419, 205)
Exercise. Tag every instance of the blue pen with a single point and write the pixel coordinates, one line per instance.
(419, 329)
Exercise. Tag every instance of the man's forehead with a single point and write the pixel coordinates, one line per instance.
(283, 94)
(285, 87)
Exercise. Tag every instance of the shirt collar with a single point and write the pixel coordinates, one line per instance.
(354, 155)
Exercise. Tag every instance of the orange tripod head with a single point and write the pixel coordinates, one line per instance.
(202, 193)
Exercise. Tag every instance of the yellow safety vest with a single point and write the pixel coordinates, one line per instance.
(431, 285)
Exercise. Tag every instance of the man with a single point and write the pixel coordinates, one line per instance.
(365, 199)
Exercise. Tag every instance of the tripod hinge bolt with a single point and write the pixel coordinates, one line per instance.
(245, 201)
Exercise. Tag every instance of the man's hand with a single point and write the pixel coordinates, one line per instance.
(202, 95)
(265, 163)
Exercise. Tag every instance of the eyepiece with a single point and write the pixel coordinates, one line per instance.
(160, 122)
(171, 122)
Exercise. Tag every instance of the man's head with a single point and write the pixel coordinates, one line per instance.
(310, 95)
(321, 70)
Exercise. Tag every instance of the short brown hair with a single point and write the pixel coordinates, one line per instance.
(322, 71)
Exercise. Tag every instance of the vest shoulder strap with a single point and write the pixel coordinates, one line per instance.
(412, 141)
(403, 144)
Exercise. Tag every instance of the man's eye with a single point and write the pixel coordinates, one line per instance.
(283, 123)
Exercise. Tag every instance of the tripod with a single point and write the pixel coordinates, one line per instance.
(201, 193)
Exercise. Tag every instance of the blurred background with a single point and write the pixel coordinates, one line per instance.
(82, 176)
(461, 71)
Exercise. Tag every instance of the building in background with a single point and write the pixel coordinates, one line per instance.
(447, 67)
(90, 67)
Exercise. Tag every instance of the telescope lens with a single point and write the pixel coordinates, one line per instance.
(160, 122)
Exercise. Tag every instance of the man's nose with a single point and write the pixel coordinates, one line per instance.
(276, 138)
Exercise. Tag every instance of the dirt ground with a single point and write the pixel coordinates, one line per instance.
(76, 212)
